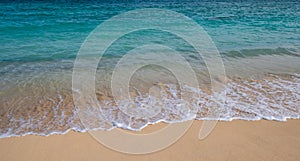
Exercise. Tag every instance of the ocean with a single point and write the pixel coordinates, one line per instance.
(259, 43)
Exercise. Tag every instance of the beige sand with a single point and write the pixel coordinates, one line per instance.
(236, 140)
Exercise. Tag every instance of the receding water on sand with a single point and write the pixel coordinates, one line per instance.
(41, 102)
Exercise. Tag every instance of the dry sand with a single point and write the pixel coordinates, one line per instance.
(235, 140)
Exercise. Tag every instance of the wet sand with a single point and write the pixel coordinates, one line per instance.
(235, 140)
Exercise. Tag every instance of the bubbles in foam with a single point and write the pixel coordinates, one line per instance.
(272, 98)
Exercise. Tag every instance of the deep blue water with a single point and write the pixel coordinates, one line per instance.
(37, 31)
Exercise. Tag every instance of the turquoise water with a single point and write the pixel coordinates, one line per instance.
(39, 43)
(53, 31)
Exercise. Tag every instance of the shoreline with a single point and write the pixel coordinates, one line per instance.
(234, 140)
(146, 128)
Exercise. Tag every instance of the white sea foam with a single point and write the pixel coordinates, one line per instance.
(273, 98)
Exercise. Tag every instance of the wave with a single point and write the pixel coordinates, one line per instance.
(275, 97)
(243, 53)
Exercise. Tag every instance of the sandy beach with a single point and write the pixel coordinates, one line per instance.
(235, 140)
